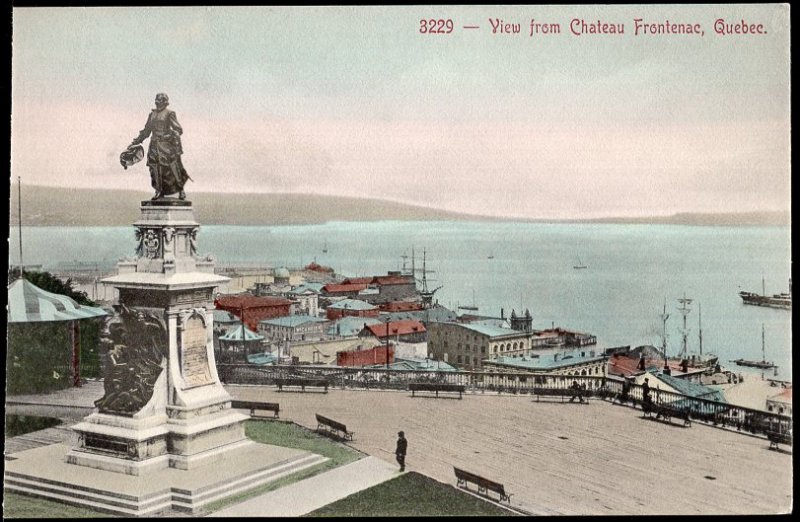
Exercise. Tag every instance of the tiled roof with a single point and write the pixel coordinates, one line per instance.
(334, 288)
(350, 326)
(404, 327)
(692, 389)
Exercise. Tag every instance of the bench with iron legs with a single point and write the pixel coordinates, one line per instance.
(563, 394)
(280, 382)
(484, 485)
(665, 412)
(331, 426)
(776, 438)
(254, 406)
(436, 387)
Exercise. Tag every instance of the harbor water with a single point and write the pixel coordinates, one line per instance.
(632, 270)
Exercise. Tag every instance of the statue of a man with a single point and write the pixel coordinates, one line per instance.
(167, 174)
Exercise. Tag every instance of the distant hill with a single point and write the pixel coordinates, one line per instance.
(56, 206)
(763, 218)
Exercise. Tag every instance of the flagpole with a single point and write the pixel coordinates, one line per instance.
(19, 211)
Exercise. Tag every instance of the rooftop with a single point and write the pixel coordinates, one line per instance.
(692, 389)
(549, 361)
(235, 334)
(490, 330)
(292, 321)
(352, 304)
(403, 327)
(336, 288)
(350, 326)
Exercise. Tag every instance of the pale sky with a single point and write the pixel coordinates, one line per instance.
(354, 101)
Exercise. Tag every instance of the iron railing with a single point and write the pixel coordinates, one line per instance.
(721, 414)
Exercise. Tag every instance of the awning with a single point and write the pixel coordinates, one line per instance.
(27, 303)
(235, 334)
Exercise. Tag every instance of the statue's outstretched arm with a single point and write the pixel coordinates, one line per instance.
(143, 134)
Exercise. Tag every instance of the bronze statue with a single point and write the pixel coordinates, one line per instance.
(167, 175)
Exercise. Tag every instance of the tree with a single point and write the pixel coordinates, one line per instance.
(50, 283)
(38, 355)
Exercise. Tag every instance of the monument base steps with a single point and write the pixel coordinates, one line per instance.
(32, 473)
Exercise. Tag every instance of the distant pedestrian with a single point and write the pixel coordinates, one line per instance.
(400, 452)
(576, 392)
(646, 391)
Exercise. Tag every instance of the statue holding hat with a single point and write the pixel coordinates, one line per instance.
(167, 175)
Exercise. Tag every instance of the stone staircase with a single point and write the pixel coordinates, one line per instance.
(164, 502)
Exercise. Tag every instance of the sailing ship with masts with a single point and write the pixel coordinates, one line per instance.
(782, 300)
(764, 364)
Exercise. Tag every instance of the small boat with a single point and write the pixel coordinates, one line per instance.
(755, 364)
(763, 363)
(491, 256)
(579, 265)
(472, 307)
(325, 248)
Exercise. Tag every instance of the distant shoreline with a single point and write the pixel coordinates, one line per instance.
(53, 206)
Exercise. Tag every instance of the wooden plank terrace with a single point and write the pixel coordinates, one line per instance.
(600, 459)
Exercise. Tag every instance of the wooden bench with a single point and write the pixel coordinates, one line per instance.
(436, 387)
(665, 412)
(484, 485)
(562, 393)
(254, 406)
(302, 382)
(331, 426)
(776, 438)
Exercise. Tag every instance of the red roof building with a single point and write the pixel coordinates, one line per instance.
(252, 310)
(343, 289)
(401, 306)
(406, 330)
(369, 357)
(358, 280)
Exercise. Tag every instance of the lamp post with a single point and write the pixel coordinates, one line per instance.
(388, 320)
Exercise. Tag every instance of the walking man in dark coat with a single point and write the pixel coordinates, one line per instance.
(400, 452)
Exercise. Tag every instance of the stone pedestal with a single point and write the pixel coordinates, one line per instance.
(187, 421)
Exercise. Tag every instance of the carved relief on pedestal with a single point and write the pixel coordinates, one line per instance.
(151, 244)
(195, 367)
(169, 233)
(134, 345)
(193, 241)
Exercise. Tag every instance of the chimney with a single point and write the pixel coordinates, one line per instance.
(641, 362)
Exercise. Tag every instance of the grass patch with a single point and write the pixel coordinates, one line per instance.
(22, 506)
(290, 435)
(410, 494)
(22, 424)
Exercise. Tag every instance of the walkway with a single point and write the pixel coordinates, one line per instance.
(313, 493)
